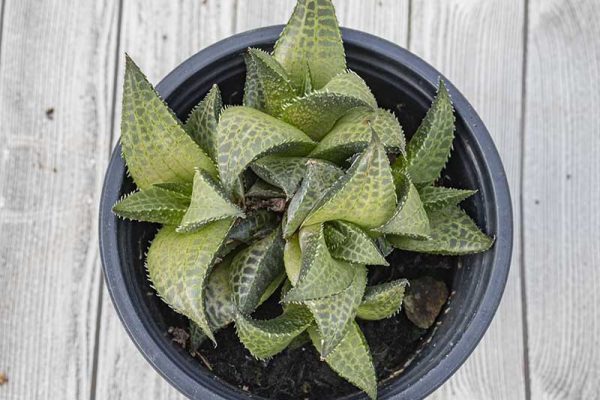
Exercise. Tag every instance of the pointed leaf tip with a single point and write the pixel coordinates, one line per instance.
(311, 42)
(365, 195)
(430, 147)
(179, 265)
(151, 134)
(209, 203)
(351, 359)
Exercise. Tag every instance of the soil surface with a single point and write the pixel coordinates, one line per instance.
(298, 373)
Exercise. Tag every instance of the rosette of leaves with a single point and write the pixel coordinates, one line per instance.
(291, 192)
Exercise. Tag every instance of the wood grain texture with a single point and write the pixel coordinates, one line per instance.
(478, 45)
(158, 35)
(56, 66)
(561, 197)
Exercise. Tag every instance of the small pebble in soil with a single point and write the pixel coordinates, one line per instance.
(424, 300)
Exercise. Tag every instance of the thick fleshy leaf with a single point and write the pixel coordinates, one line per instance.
(246, 134)
(317, 112)
(410, 218)
(424, 300)
(197, 337)
(218, 301)
(151, 134)
(283, 172)
(254, 269)
(265, 338)
(384, 246)
(365, 196)
(430, 147)
(320, 274)
(311, 43)
(154, 204)
(256, 225)
(178, 266)
(318, 179)
(382, 301)
(351, 359)
(203, 121)
(209, 203)
(453, 232)
(272, 288)
(333, 314)
(292, 259)
(354, 245)
(263, 190)
(268, 87)
(438, 197)
(183, 188)
(352, 132)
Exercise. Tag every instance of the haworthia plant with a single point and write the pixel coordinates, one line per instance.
(292, 193)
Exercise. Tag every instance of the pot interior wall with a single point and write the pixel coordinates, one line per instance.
(395, 88)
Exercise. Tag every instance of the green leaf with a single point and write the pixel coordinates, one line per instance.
(365, 196)
(246, 134)
(209, 203)
(410, 218)
(318, 178)
(438, 197)
(265, 338)
(182, 188)
(254, 269)
(151, 134)
(272, 288)
(453, 232)
(197, 337)
(178, 266)
(268, 87)
(333, 314)
(320, 274)
(256, 225)
(218, 301)
(352, 132)
(351, 359)
(382, 301)
(354, 246)
(292, 259)
(154, 204)
(311, 41)
(263, 190)
(283, 172)
(317, 112)
(430, 147)
(203, 121)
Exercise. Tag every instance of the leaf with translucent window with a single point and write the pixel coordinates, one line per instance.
(154, 204)
(151, 134)
(382, 301)
(311, 42)
(452, 232)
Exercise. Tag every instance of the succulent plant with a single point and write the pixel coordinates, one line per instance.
(292, 193)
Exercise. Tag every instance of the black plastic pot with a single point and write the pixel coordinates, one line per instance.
(401, 82)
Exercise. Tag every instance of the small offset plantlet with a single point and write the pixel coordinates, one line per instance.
(292, 194)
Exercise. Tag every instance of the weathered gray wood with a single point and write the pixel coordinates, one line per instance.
(158, 35)
(56, 71)
(478, 45)
(561, 197)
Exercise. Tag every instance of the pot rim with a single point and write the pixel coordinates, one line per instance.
(433, 376)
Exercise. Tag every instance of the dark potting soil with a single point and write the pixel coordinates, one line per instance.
(298, 373)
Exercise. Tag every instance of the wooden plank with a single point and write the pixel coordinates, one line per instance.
(159, 35)
(385, 18)
(56, 95)
(478, 45)
(561, 197)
